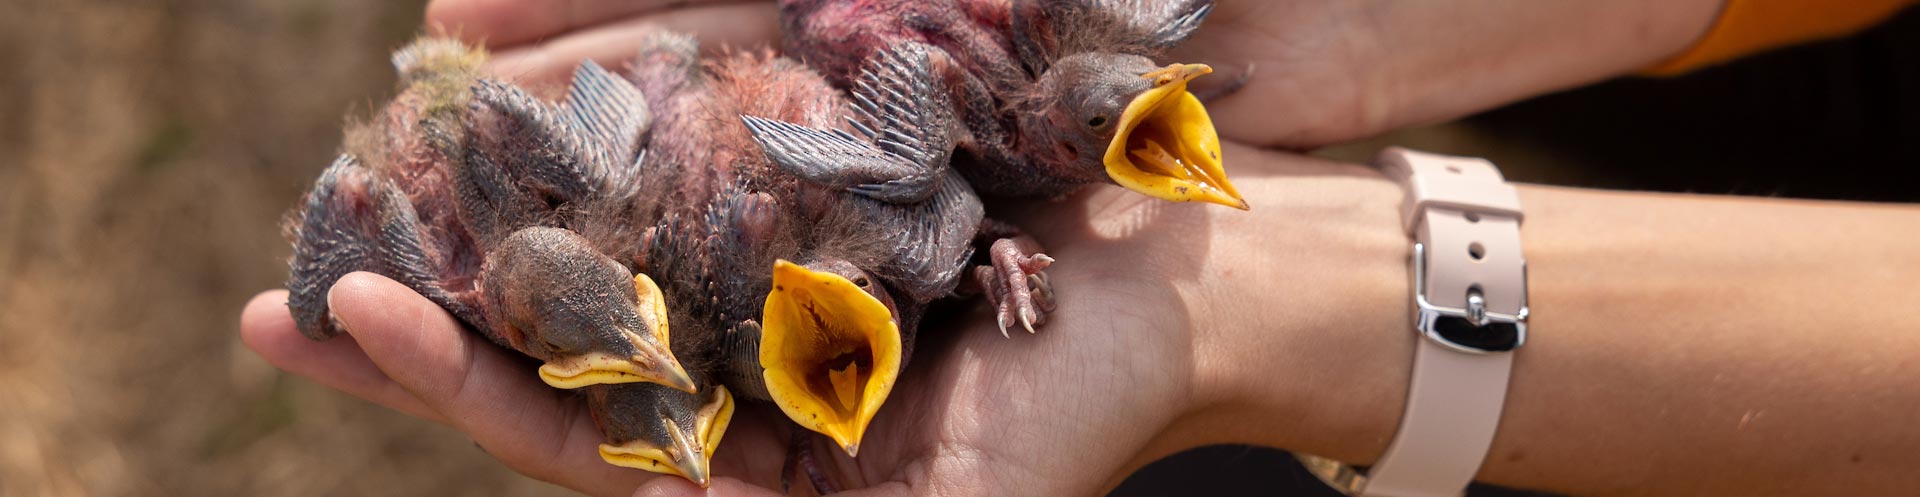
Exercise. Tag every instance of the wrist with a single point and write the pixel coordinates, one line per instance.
(1306, 341)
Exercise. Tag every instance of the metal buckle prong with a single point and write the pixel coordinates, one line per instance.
(1426, 314)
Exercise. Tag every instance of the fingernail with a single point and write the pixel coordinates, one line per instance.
(334, 317)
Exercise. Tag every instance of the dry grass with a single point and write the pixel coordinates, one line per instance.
(148, 152)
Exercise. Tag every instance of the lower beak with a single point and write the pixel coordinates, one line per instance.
(596, 368)
(830, 350)
(683, 453)
(1166, 146)
(650, 360)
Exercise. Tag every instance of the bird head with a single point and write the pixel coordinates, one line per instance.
(1135, 121)
(830, 346)
(660, 429)
(590, 319)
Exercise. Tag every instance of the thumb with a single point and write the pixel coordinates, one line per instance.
(480, 389)
(722, 487)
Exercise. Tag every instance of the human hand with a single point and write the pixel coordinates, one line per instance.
(1323, 72)
(404, 352)
(1124, 373)
(384, 362)
(1317, 72)
(538, 44)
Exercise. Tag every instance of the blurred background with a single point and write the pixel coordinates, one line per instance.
(148, 150)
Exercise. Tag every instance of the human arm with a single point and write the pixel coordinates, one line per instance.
(997, 448)
(1680, 345)
(1322, 72)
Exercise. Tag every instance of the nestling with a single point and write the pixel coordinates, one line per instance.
(1052, 94)
(501, 211)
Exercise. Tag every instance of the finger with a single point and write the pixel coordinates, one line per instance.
(717, 26)
(722, 487)
(896, 489)
(491, 396)
(267, 328)
(503, 23)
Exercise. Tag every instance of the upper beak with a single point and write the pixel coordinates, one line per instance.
(1166, 146)
(649, 358)
(687, 454)
(831, 352)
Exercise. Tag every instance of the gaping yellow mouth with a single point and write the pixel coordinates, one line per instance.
(654, 363)
(1166, 146)
(690, 453)
(830, 350)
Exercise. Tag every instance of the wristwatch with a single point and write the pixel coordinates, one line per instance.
(1470, 315)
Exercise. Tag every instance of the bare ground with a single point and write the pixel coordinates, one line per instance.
(149, 151)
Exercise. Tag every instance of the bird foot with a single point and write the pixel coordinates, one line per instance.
(1016, 283)
(805, 467)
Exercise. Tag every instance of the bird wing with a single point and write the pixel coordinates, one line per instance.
(529, 163)
(1045, 30)
(931, 240)
(522, 164)
(612, 117)
(356, 220)
(1158, 24)
(905, 117)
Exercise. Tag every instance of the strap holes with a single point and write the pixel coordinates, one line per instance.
(1476, 251)
(1473, 217)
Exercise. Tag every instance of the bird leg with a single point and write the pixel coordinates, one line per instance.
(1015, 281)
(803, 464)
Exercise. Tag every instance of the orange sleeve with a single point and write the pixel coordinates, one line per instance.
(1748, 26)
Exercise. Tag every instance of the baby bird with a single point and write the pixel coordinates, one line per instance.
(1052, 94)
(808, 271)
(663, 430)
(504, 212)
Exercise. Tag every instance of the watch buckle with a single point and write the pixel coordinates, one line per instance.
(1472, 329)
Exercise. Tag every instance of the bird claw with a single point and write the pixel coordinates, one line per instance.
(1017, 286)
(1002, 321)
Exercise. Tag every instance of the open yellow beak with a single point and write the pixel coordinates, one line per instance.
(654, 362)
(1166, 146)
(831, 352)
(690, 454)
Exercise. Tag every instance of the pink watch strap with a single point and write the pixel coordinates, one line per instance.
(1471, 313)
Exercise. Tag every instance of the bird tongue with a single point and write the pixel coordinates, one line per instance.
(1152, 157)
(846, 384)
(1166, 146)
(829, 352)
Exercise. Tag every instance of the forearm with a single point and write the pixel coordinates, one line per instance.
(1441, 60)
(1716, 346)
(1682, 345)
